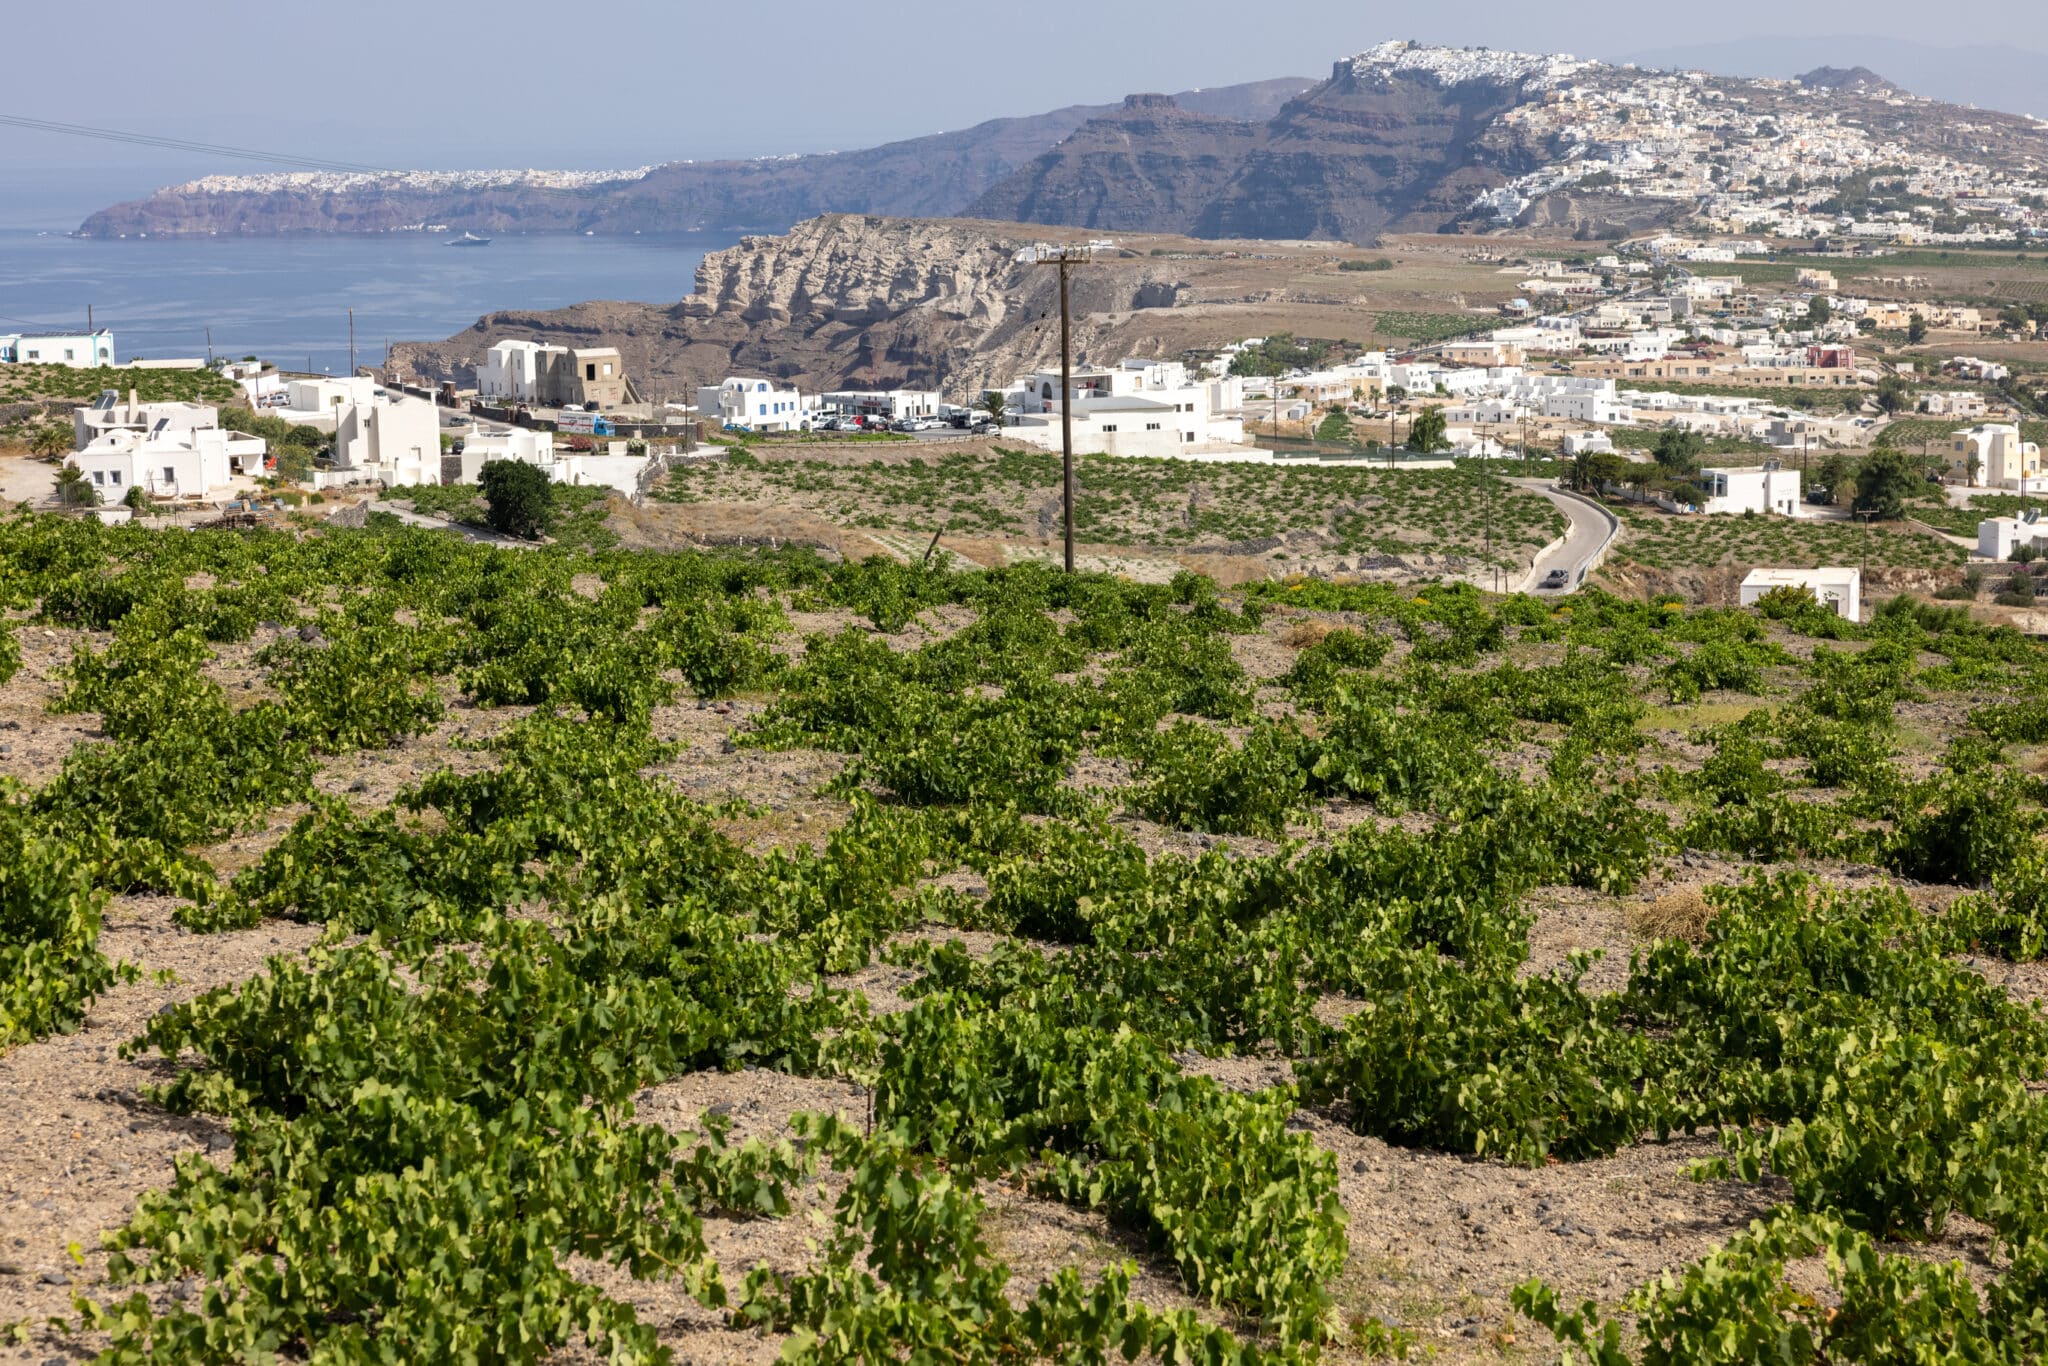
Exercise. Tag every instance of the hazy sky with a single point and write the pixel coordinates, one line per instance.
(490, 83)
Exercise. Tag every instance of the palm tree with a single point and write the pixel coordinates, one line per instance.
(73, 490)
(995, 406)
(50, 441)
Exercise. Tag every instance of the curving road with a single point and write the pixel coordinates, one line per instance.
(1593, 529)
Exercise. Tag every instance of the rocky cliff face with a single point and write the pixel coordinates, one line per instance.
(848, 300)
(1150, 166)
(1361, 153)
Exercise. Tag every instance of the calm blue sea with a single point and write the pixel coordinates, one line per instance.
(286, 298)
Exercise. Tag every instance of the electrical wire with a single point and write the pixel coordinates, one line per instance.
(292, 160)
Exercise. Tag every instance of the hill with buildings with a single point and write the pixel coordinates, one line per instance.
(1400, 138)
(921, 177)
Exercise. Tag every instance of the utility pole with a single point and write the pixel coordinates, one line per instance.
(209, 347)
(351, 343)
(1067, 258)
(88, 320)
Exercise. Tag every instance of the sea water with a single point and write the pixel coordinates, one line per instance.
(286, 299)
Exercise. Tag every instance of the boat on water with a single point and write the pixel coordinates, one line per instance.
(469, 239)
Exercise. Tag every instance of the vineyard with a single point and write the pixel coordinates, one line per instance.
(419, 951)
(1666, 542)
(1358, 511)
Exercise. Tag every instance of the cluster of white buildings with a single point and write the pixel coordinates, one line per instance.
(168, 450)
(1751, 156)
(1134, 408)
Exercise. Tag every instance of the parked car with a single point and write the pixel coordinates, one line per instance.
(1556, 578)
(983, 427)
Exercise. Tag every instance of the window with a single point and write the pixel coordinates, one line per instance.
(1109, 426)
(1151, 426)
(170, 474)
(114, 478)
(607, 369)
(69, 354)
(99, 477)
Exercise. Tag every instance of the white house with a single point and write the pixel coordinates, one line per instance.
(1998, 537)
(259, 381)
(1586, 405)
(391, 440)
(192, 463)
(613, 468)
(1840, 589)
(760, 404)
(512, 370)
(1762, 488)
(317, 403)
(110, 412)
(1136, 408)
(1958, 403)
(79, 350)
(893, 404)
(1588, 443)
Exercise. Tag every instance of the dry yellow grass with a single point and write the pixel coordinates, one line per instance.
(1306, 633)
(1680, 914)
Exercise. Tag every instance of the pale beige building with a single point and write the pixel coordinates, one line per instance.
(1993, 456)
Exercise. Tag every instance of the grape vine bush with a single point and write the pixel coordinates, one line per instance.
(436, 1114)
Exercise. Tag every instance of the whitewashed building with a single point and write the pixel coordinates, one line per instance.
(752, 402)
(1838, 589)
(1136, 408)
(317, 403)
(391, 441)
(896, 405)
(110, 412)
(79, 350)
(512, 370)
(189, 463)
(1759, 489)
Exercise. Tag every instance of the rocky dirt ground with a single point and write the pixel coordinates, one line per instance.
(1437, 1241)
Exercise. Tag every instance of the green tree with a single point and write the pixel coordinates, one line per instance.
(1884, 482)
(74, 489)
(1891, 394)
(517, 497)
(995, 405)
(1426, 432)
(1819, 311)
(49, 441)
(1678, 451)
(294, 463)
(1916, 330)
(1832, 477)
(1591, 469)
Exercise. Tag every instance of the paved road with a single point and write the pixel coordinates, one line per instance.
(1592, 530)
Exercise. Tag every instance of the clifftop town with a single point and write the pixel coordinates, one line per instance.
(1400, 138)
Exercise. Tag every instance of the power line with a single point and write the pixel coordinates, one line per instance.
(293, 160)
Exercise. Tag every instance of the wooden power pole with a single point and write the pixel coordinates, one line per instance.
(1066, 258)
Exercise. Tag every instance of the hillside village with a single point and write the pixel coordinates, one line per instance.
(1315, 723)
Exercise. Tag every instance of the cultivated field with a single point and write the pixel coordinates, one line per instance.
(422, 951)
(1456, 520)
(1661, 541)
